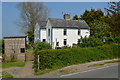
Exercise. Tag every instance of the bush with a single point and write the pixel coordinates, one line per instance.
(50, 59)
(41, 46)
(90, 42)
(110, 40)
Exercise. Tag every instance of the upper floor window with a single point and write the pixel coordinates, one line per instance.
(48, 32)
(78, 31)
(65, 32)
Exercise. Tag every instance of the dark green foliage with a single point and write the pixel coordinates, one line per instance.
(99, 29)
(110, 40)
(37, 47)
(50, 59)
(75, 17)
(31, 37)
(1, 46)
(90, 42)
(90, 16)
(41, 45)
(114, 22)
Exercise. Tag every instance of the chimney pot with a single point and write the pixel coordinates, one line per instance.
(66, 16)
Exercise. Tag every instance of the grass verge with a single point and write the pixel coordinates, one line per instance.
(13, 64)
(94, 65)
(6, 75)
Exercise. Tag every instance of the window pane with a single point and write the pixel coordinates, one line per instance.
(65, 42)
(65, 32)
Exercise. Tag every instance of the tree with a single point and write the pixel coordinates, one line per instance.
(114, 8)
(75, 17)
(31, 12)
(113, 11)
(90, 16)
(99, 29)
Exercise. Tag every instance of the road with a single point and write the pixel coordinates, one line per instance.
(103, 72)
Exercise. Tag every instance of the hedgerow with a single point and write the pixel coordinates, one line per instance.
(49, 59)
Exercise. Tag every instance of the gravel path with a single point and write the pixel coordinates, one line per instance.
(21, 72)
(27, 70)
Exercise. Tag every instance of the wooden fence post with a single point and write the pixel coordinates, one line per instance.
(38, 62)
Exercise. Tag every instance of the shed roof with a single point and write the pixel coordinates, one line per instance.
(62, 23)
(15, 37)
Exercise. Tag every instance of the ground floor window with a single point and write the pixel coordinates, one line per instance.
(44, 40)
(22, 50)
(65, 42)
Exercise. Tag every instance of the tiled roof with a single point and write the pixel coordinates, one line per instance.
(42, 24)
(62, 23)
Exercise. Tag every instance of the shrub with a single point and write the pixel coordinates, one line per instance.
(110, 40)
(50, 59)
(41, 45)
(90, 42)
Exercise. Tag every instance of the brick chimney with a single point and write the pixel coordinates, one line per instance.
(67, 16)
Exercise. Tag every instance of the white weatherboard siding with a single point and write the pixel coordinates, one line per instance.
(37, 33)
(43, 34)
(48, 26)
(72, 36)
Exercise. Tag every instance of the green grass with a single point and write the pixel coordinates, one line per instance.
(39, 72)
(94, 65)
(6, 75)
(13, 64)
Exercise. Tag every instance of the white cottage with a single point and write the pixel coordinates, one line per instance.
(61, 32)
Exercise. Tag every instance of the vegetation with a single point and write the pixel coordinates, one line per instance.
(31, 12)
(54, 59)
(90, 16)
(41, 46)
(94, 65)
(90, 42)
(6, 75)
(99, 29)
(13, 64)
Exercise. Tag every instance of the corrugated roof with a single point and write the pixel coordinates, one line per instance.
(62, 23)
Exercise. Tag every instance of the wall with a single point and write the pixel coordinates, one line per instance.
(13, 46)
(72, 36)
(43, 34)
(36, 33)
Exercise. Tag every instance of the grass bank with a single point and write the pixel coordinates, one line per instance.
(6, 75)
(54, 59)
(13, 64)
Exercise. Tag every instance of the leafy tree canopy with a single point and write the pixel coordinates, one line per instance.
(90, 16)
(99, 29)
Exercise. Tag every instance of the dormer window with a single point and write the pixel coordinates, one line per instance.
(65, 32)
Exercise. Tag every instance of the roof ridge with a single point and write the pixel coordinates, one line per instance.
(65, 19)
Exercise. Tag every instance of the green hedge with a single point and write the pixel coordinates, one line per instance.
(64, 57)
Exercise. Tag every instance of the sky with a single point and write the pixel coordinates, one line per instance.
(10, 13)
